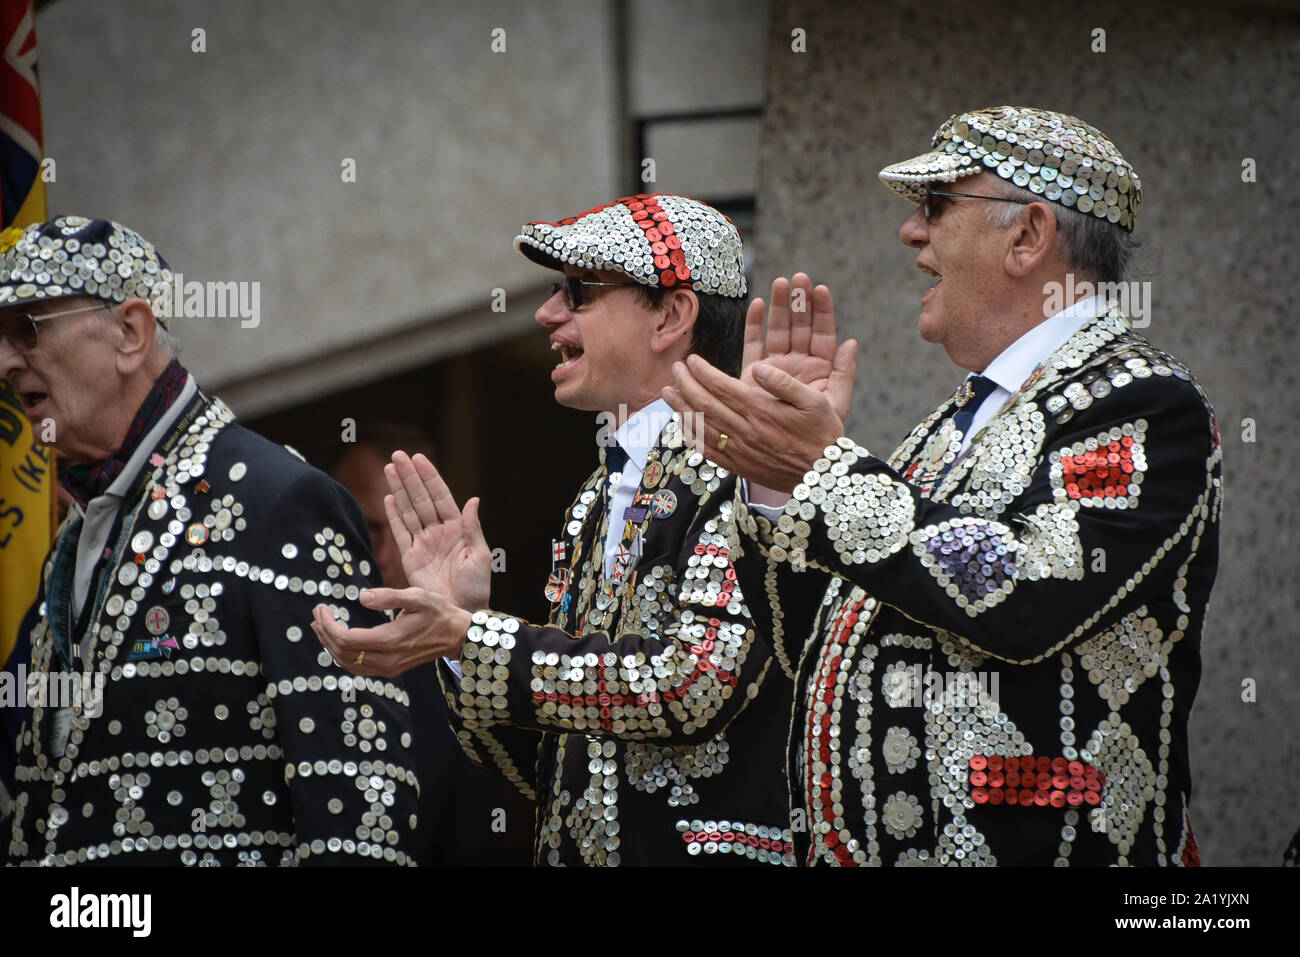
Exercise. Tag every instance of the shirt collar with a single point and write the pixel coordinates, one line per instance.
(150, 442)
(640, 432)
(1017, 361)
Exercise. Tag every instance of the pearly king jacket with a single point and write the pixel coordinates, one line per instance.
(215, 729)
(1004, 666)
(647, 718)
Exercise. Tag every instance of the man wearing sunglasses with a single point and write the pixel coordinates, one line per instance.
(179, 712)
(1009, 651)
(647, 716)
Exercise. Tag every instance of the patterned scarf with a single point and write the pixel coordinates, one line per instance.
(86, 482)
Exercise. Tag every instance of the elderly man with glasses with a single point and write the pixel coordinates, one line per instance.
(179, 712)
(1004, 665)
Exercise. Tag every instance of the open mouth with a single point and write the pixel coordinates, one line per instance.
(930, 272)
(569, 356)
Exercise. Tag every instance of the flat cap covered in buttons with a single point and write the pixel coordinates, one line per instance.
(1055, 155)
(76, 256)
(656, 239)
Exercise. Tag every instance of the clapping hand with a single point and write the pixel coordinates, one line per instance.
(791, 399)
(449, 568)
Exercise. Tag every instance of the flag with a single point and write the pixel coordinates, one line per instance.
(26, 468)
(22, 191)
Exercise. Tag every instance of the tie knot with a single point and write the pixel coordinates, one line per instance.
(615, 458)
(972, 393)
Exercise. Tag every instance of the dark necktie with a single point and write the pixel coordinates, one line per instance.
(615, 462)
(974, 390)
(615, 458)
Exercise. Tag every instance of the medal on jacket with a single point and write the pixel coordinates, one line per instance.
(622, 561)
(965, 392)
(556, 585)
(652, 473)
(143, 649)
(641, 501)
(558, 582)
(663, 504)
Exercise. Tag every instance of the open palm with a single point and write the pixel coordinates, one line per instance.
(799, 340)
(443, 549)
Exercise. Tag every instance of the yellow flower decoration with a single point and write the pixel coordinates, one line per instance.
(9, 238)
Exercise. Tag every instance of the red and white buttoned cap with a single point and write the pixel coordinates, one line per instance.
(656, 239)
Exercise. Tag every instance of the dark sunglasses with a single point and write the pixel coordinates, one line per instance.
(22, 329)
(931, 208)
(572, 287)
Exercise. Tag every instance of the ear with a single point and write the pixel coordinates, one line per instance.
(133, 323)
(1032, 240)
(674, 327)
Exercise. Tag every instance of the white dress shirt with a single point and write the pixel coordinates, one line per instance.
(637, 436)
(1016, 362)
(101, 512)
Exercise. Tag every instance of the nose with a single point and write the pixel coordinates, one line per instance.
(915, 231)
(553, 312)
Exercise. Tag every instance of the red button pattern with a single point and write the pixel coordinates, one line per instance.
(1030, 781)
(606, 700)
(660, 233)
(819, 741)
(729, 577)
(1100, 474)
(739, 837)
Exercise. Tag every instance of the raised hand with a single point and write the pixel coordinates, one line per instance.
(443, 549)
(800, 339)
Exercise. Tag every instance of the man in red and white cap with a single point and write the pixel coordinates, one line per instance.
(647, 718)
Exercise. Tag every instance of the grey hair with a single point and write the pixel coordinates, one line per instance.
(165, 342)
(1093, 248)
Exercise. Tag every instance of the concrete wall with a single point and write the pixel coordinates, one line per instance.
(231, 160)
(1186, 93)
